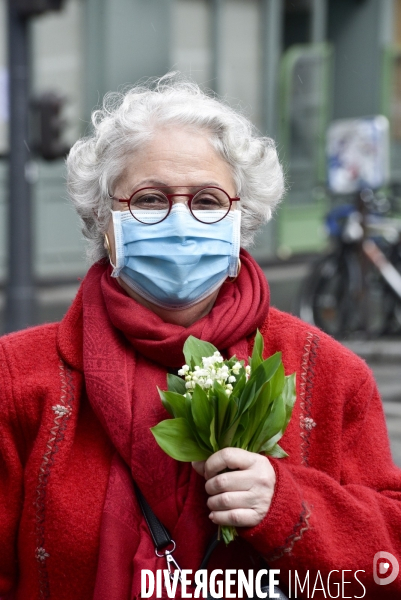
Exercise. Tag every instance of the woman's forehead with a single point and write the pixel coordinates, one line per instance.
(176, 157)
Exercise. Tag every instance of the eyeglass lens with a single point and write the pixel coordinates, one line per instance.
(151, 206)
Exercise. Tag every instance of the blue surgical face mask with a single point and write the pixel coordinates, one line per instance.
(178, 262)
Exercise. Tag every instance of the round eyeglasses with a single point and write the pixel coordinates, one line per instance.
(151, 205)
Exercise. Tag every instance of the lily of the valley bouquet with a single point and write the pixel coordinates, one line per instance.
(219, 403)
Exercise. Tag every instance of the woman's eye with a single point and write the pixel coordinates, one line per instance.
(149, 201)
(206, 202)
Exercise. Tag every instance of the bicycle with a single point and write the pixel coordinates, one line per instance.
(355, 288)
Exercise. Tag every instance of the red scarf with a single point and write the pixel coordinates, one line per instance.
(126, 349)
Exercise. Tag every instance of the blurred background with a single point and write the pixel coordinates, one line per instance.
(293, 66)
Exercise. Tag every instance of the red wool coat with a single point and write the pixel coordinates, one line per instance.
(337, 500)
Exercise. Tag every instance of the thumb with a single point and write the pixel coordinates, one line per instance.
(199, 466)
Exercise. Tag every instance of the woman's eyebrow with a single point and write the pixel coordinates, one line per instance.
(158, 183)
(151, 181)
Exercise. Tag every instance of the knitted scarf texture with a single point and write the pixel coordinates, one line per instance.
(127, 352)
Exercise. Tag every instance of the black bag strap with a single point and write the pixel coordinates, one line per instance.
(214, 542)
(160, 535)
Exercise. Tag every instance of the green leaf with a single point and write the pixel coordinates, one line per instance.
(269, 444)
(240, 384)
(231, 423)
(176, 384)
(202, 442)
(257, 352)
(174, 403)
(277, 452)
(194, 350)
(258, 415)
(213, 441)
(241, 429)
(202, 413)
(227, 437)
(289, 396)
(271, 426)
(222, 403)
(174, 436)
(277, 382)
(263, 373)
(276, 420)
(247, 396)
(266, 441)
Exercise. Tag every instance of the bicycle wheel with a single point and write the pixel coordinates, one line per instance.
(328, 295)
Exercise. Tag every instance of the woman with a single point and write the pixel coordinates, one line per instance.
(165, 185)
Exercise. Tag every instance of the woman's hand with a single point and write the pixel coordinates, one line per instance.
(240, 497)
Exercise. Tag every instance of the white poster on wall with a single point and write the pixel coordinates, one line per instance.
(357, 154)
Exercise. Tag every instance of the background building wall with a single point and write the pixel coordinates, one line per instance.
(93, 46)
(125, 41)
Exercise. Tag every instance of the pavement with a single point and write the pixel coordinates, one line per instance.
(377, 351)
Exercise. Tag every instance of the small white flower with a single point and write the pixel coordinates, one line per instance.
(229, 386)
(231, 379)
(221, 374)
(217, 358)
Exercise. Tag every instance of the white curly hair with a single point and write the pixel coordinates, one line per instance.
(128, 120)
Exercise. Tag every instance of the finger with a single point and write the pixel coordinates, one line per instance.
(232, 500)
(199, 466)
(239, 517)
(230, 481)
(228, 458)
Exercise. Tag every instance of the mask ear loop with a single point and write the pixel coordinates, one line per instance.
(108, 248)
(232, 279)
